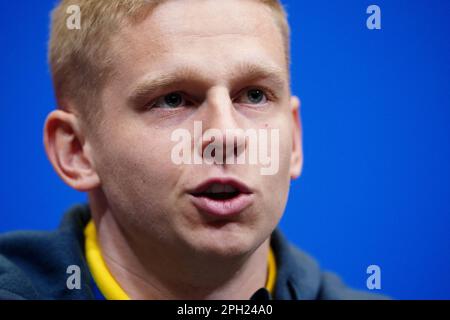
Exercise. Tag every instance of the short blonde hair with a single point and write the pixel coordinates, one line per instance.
(80, 60)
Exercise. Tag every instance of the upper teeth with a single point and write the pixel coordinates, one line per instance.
(220, 188)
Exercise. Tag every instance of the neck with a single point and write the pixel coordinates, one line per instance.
(154, 272)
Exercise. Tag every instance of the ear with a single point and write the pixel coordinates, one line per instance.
(68, 151)
(297, 146)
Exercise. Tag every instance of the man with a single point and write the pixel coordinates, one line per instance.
(132, 76)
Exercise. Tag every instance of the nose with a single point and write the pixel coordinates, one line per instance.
(223, 138)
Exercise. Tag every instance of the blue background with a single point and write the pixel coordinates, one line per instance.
(375, 188)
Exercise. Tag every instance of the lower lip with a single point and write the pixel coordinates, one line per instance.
(223, 208)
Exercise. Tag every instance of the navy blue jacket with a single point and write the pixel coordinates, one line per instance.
(33, 266)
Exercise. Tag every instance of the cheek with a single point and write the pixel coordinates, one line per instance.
(285, 142)
(281, 180)
(136, 172)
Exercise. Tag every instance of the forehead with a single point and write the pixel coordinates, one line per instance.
(211, 36)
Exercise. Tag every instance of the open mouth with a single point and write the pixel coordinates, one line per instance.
(222, 197)
(217, 191)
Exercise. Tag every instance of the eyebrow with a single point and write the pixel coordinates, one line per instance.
(243, 72)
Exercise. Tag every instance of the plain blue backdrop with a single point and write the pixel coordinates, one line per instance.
(375, 187)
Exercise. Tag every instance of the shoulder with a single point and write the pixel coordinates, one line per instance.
(33, 264)
(333, 288)
(301, 278)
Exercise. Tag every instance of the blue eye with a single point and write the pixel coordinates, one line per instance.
(170, 101)
(253, 96)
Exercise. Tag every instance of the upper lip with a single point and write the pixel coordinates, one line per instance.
(238, 185)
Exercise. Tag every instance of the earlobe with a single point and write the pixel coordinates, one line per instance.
(297, 146)
(67, 151)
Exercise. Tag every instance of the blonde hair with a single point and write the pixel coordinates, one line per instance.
(81, 60)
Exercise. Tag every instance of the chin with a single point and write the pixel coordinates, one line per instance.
(225, 241)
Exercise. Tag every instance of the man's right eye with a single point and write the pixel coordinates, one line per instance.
(169, 101)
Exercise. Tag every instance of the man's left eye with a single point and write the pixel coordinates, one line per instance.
(253, 96)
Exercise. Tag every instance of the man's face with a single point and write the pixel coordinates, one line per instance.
(219, 62)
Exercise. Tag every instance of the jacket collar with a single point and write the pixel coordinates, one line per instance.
(298, 275)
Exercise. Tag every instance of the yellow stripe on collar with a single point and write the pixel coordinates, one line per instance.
(109, 287)
(104, 280)
(271, 272)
